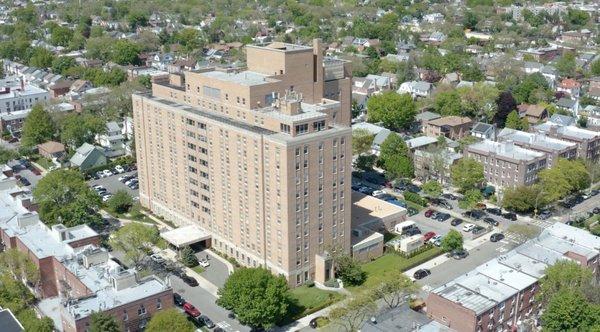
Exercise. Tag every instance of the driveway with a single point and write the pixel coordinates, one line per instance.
(217, 272)
(112, 184)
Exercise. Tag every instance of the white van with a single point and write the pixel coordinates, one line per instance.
(404, 226)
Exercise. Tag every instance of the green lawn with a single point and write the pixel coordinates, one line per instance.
(198, 269)
(306, 300)
(378, 269)
(45, 163)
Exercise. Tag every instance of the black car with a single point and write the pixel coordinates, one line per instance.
(494, 211)
(421, 273)
(207, 321)
(596, 210)
(496, 237)
(24, 182)
(178, 300)
(545, 214)
(594, 192)
(413, 231)
(450, 197)
(510, 216)
(314, 323)
(413, 188)
(459, 254)
(478, 229)
(475, 214)
(189, 280)
(442, 216)
(491, 221)
(456, 222)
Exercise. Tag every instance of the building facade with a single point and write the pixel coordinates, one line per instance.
(588, 141)
(554, 148)
(20, 97)
(452, 127)
(259, 158)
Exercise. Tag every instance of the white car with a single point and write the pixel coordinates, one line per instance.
(468, 227)
(435, 239)
(106, 197)
(157, 258)
(204, 263)
(119, 169)
(107, 172)
(98, 187)
(130, 181)
(378, 193)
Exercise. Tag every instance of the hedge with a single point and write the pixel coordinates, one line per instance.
(415, 198)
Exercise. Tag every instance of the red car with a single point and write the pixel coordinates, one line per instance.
(191, 310)
(428, 213)
(428, 236)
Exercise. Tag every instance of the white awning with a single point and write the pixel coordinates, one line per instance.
(185, 235)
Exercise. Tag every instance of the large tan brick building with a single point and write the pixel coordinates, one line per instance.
(258, 158)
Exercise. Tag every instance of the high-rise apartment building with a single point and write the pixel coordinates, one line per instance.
(259, 159)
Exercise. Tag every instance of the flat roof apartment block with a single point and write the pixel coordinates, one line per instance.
(259, 158)
(553, 147)
(588, 141)
(505, 164)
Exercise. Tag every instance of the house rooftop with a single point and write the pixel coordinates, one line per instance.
(569, 132)
(535, 140)
(452, 120)
(505, 149)
(246, 78)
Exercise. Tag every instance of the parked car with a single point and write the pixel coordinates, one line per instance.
(459, 254)
(314, 323)
(494, 211)
(413, 188)
(421, 273)
(157, 258)
(510, 216)
(478, 229)
(442, 216)
(412, 211)
(119, 169)
(413, 231)
(481, 206)
(491, 221)
(106, 197)
(596, 210)
(429, 235)
(24, 182)
(191, 310)
(545, 214)
(429, 213)
(435, 239)
(107, 173)
(594, 192)
(378, 193)
(204, 263)
(468, 227)
(207, 321)
(475, 214)
(456, 222)
(496, 237)
(178, 300)
(192, 282)
(451, 197)
(397, 202)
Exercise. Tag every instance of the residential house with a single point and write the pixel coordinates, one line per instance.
(60, 88)
(422, 118)
(112, 140)
(500, 294)
(554, 148)
(88, 156)
(12, 122)
(484, 131)
(80, 86)
(452, 127)
(405, 46)
(562, 120)
(569, 86)
(365, 87)
(593, 116)
(51, 150)
(530, 67)
(568, 104)
(551, 74)
(543, 54)
(505, 164)
(437, 38)
(594, 89)
(433, 18)
(379, 139)
(416, 89)
(533, 113)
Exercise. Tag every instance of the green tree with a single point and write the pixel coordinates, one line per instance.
(470, 199)
(467, 174)
(394, 289)
(137, 19)
(349, 270)
(189, 38)
(395, 158)
(136, 241)
(257, 297)
(362, 140)
(19, 266)
(448, 103)
(188, 257)
(37, 128)
(99, 48)
(564, 274)
(125, 52)
(565, 177)
(470, 20)
(7, 155)
(60, 65)
(354, 313)
(76, 129)
(103, 322)
(452, 241)
(569, 310)
(566, 64)
(64, 197)
(41, 57)
(365, 162)
(145, 81)
(169, 320)
(513, 121)
(577, 17)
(61, 36)
(505, 103)
(479, 101)
(432, 188)
(595, 67)
(522, 198)
(394, 110)
(533, 89)
(120, 202)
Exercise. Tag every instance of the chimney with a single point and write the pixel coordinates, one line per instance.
(94, 256)
(60, 232)
(123, 279)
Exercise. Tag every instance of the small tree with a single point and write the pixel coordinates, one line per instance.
(188, 257)
(169, 320)
(470, 199)
(432, 188)
(120, 202)
(351, 316)
(365, 162)
(348, 269)
(362, 140)
(467, 174)
(394, 288)
(136, 240)
(452, 241)
(103, 322)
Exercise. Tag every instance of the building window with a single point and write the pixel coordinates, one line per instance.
(125, 315)
(158, 304)
(302, 128)
(285, 128)
(141, 310)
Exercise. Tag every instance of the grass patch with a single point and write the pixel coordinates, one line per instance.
(307, 300)
(378, 269)
(414, 206)
(198, 269)
(45, 163)
(134, 213)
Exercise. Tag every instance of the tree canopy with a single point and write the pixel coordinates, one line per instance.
(169, 320)
(103, 322)
(362, 140)
(452, 241)
(257, 297)
(432, 188)
(467, 174)
(395, 111)
(136, 241)
(64, 197)
(395, 157)
(38, 127)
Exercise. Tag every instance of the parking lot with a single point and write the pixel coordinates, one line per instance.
(112, 184)
(26, 173)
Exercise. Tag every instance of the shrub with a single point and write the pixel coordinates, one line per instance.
(333, 283)
(309, 283)
(187, 257)
(415, 198)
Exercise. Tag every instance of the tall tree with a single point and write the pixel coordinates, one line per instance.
(40, 57)
(103, 322)
(37, 128)
(470, 199)
(506, 103)
(19, 266)
(76, 129)
(566, 64)
(257, 297)
(568, 310)
(7, 155)
(61, 36)
(564, 274)
(64, 197)
(432, 188)
(395, 157)
(136, 241)
(467, 174)
(125, 52)
(513, 121)
(169, 320)
(120, 202)
(394, 110)
(448, 103)
(362, 140)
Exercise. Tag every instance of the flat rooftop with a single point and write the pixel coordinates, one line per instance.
(508, 150)
(366, 208)
(280, 46)
(571, 132)
(246, 78)
(540, 141)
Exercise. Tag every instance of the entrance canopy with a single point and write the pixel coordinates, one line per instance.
(184, 236)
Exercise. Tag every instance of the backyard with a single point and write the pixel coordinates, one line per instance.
(306, 300)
